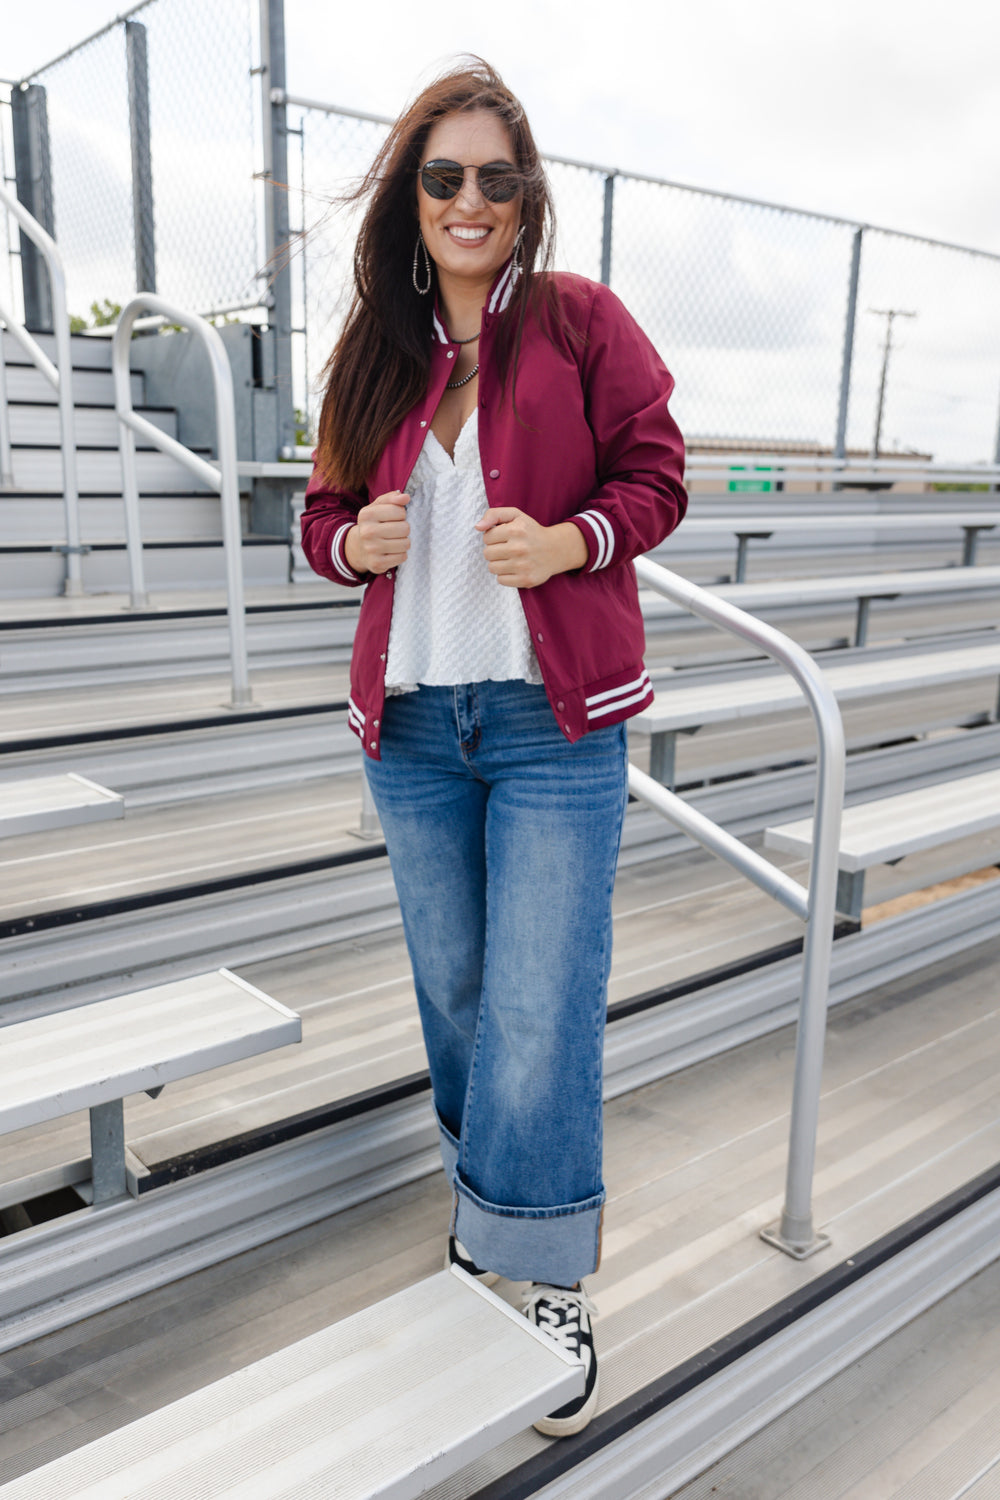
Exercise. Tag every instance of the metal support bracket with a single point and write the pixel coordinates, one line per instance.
(797, 1249)
(369, 828)
(663, 758)
(743, 540)
(851, 893)
(865, 601)
(107, 1150)
(971, 544)
(663, 754)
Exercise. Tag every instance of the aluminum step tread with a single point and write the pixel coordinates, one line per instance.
(381, 1404)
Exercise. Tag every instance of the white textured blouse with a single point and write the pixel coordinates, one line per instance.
(452, 622)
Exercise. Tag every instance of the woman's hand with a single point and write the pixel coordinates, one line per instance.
(522, 553)
(380, 538)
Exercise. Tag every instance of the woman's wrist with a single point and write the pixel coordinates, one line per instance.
(352, 550)
(571, 544)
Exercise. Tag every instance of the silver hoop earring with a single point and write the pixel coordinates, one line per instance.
(423, 290)
(517, 259)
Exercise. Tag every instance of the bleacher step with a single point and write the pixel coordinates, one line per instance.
(191, 564)
(383, 1404)
(40, 802)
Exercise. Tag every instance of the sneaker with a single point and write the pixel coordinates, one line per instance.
(457, 1255)
(564, 1314)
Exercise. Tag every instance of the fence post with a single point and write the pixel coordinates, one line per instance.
(276, 237)
(609, 210)
(143, 231)
(996, 456)
(840, 443)
(33, 184)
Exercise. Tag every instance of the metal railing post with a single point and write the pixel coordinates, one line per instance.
(607, 231)
(222, 476)
(6, 452)
(33, 181)
(276, 236)
(59, 375)
(996, 455)
(138, 597)
(847, 358)
(794, 1233)
(143, 230)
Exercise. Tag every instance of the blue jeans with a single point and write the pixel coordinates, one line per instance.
(503, 840)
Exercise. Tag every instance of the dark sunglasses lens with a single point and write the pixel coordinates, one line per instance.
(441, 179)
(497, 184)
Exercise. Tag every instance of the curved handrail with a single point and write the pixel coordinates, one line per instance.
(795, 1232)
(222, 476)
(59, 375)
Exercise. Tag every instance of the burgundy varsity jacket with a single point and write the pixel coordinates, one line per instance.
(592, 442)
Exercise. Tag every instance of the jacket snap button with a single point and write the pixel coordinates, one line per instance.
(389, 574)
(423, 424)
(539, 636)
(372, 744)
(375, 723)
(560, 706)
(494, 473)
(567, 728)
(382, 656)
(451, 354)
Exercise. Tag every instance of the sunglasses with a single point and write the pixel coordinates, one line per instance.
(499, 182)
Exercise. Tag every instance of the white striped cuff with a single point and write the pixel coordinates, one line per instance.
(338, 556)
(620, 697)
(604, 537)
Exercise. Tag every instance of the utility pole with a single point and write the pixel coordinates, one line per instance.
(889, 313)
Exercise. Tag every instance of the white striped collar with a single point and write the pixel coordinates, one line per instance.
(503, 288)
(499, 299)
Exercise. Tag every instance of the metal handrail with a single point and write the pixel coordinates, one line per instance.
(58, 375)
(221, 476)
(815, 904)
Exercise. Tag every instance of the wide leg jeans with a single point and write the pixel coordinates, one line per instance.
(503, 840)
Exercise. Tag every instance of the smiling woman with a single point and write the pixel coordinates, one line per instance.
(495, 449)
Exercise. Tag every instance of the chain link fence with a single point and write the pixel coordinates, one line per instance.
(747, 302)
(186, 67)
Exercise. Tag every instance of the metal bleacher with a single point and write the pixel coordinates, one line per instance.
(283, 1200)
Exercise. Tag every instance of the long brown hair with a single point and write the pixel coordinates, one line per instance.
(380, 366)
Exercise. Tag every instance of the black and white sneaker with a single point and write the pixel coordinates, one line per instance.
(457, 1255)
(564, 1314)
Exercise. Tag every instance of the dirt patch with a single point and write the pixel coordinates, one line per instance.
(913, 900)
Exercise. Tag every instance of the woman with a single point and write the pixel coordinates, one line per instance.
(494, 449)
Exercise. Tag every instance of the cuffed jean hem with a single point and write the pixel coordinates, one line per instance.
(449, 1149)
(558, 1245)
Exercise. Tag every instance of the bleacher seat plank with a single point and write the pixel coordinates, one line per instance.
(687, 707)
(885, 831)
(383, 1404)
(78, 1059)
(40, 802)
(893, 827)
(776, 593)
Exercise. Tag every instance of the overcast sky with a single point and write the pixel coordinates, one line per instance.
(883, 110)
